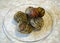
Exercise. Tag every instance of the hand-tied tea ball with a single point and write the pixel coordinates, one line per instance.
(25, 28)
(35, 12)
(20, 16)
(37, 23)
(41, 11)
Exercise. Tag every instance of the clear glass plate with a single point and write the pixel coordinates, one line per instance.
(10, 26)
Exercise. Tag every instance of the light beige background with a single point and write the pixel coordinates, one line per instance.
(5, 5)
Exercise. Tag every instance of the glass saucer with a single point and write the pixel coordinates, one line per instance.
(9, 25)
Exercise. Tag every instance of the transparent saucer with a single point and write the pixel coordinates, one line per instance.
(9, 25)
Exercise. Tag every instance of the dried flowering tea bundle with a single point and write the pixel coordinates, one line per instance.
(37, 23)
(41, 11)
(25, 28)
(20, 16)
